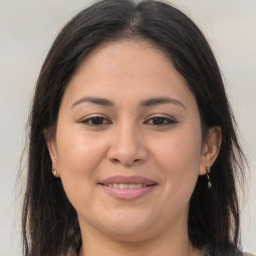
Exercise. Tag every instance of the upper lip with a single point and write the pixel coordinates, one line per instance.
(119, 179)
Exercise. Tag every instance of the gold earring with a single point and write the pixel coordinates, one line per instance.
(208, 176)
(54, 172)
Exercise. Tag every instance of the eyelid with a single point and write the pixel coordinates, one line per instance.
(86, 119)
(170, 119)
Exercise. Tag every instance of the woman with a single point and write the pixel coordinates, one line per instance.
(133, 149)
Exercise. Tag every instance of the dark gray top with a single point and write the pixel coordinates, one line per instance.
(206, 252)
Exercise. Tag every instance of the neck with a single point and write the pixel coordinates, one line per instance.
(175, 244)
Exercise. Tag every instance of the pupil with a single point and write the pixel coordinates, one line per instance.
(158, 120)
(97, 120)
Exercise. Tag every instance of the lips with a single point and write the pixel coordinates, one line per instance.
(127, 187)
(128, 180)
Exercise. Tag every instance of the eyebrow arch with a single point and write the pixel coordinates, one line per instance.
(145, 103)
(161, 100)
(95, 100)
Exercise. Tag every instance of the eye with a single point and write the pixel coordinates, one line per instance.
(96, 121)
(160, 121)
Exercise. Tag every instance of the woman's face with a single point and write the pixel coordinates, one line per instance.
(128, 144)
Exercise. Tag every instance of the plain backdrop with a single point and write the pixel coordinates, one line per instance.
(28, 28)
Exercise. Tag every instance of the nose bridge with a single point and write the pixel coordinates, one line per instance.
(126, 137)
(127, 146)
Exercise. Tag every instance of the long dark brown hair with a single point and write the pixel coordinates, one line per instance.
(49, 221)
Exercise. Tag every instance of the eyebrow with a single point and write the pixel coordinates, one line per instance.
(145, 103)
(161, 100)
(95, 100)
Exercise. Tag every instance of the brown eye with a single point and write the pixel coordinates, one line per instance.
(160, 121)
(96, 121)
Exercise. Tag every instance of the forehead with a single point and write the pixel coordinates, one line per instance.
(127, 67)
(129, 53)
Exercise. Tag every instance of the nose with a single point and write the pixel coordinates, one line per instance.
(127, 147)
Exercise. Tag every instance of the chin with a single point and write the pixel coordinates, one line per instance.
(128, 227)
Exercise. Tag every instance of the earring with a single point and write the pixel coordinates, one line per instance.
(208, 176)
(54, 172)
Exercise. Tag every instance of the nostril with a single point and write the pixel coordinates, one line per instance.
(126, 163)
(127, 156)
(115, 160)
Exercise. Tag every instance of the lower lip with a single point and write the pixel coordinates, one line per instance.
(129, 193)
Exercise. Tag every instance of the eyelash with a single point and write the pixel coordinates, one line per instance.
(96, 118)
(165, 121)
(101, 121)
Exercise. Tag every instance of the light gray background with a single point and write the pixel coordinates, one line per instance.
(27, 29)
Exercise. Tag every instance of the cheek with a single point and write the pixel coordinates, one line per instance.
(79, 157)
(179, 156)
(77, 151)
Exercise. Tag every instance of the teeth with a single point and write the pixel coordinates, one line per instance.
(126, 186)
(123, 186)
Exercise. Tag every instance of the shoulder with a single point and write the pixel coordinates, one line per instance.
(205, 251)
(208, 251)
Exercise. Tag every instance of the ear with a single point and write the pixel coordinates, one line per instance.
(52, 148)
(211, 148)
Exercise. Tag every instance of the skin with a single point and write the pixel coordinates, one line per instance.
(128, 141)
